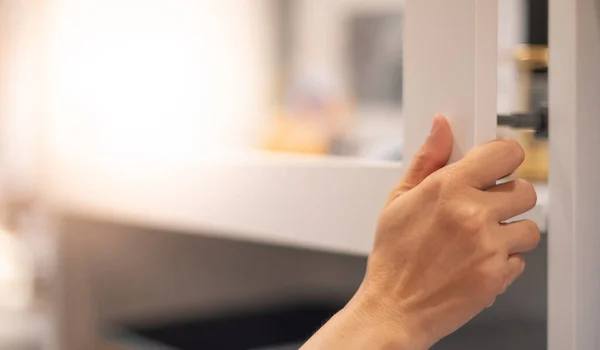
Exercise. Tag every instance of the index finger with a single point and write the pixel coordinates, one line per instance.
(488, 163)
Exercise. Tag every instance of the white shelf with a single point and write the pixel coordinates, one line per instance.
(315, 202)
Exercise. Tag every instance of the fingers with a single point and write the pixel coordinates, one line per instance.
(510, 199)
(489, 162)
(516, 267)
(520, 237)
(433, 155)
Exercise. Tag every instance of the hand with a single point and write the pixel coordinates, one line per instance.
(442, 253)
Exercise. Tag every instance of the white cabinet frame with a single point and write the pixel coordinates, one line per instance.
(574, 243)
(441, 37)
(450, 68)
(451, 64)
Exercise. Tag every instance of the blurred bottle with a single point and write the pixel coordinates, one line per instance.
(532, 58)
(26, 272)
(16, 275)
(16, 289)
(312, 116)
(531, 130)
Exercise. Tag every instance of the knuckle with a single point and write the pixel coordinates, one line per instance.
(515, 149)
(472, 217)
(422, 160)
(514, 273)
(532, 227)
(421, 157)
(488, 246)
(439, 186)
(532, 232)
(396, 192)
(528, 191)
(504, 287)
(492, 282)
(522, 265)
(434, 186)
(490, 302)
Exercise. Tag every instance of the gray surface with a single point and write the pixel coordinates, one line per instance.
(133, 342)
(283, 347)
(511, 334)
(517, 320)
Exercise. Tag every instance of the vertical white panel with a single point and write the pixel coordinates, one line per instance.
(451, 63)
(574, 278)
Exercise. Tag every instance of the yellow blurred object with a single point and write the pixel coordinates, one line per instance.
(297, 136)
(529, 58)
(535, 166)
(307, 129)
(533, 56)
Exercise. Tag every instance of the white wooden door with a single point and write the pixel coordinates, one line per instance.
(574, 238)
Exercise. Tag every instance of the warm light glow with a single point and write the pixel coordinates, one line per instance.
(145, 79)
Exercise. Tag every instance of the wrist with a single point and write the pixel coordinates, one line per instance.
(397, 328)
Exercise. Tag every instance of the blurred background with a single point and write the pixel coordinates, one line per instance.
(147, 89)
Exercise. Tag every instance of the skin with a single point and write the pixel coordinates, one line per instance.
(442, 253)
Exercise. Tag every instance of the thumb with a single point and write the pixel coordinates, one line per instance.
(433, 155)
